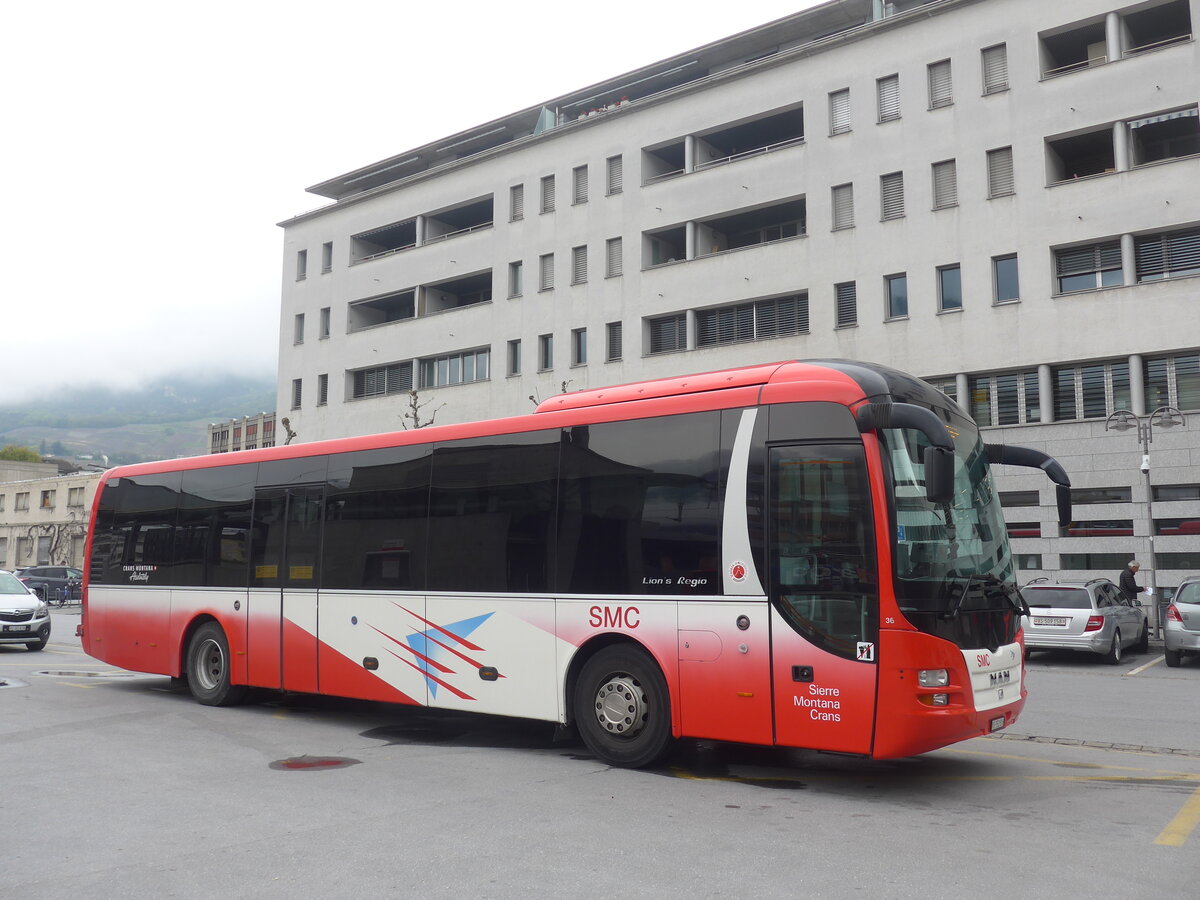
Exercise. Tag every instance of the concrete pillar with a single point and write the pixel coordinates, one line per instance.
(1112, 36)
(691, 329)
(1120, 146)
(961, 388)
(689, 153)
(690, 250)
(1128, 261)
(1137, 386)
(1046, 393)
(420, 230)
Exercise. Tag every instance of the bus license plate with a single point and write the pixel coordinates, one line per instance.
(20, 629)
(1049, 620)
(996, 724)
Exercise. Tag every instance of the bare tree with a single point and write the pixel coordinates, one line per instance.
(415, 405)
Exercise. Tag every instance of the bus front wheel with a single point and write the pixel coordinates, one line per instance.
(622, 707)
(208, 668)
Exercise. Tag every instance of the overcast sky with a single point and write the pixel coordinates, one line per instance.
(150, 148)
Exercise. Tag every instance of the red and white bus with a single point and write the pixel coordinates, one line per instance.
(806, 554)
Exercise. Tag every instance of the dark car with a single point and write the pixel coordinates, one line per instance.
(54, 584)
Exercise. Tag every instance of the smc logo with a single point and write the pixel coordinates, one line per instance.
(615, 617)
(983, 660)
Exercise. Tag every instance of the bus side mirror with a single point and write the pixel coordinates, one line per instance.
(939, 474)
(1063, 496)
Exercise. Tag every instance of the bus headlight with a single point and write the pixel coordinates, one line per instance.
(933, 678)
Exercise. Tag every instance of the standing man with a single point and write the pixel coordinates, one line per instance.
(1129, 587)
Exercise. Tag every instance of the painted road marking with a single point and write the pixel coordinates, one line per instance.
(1143, 668)
(1180, 828)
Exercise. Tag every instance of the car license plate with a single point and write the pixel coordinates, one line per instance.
(20, 629)
(996, 724)
(1049, 620)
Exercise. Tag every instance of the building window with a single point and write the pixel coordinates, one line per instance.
(3, 552)
(301, 265)
(545, 352)
(516, 203)
(546, 272)
(514, 279)
(891, 192)
(1171, 135)
(297, 392)
(514, 357)
(1164, 492)
(1088, 268)
(948, 386)
(945, 184)
(1171, 380)
(612, 351)
(1023, 529)
(1005, 283)
(579, 347)
(1173, 255)
(614, 262)
(579, 184)
(456, 368)
(325, 322)
(298, 329)
(1000, 172)
(847, 304)
(327, 257)
(548, 194)
(1091, 496)
(843, 206)
(615, 178)
(757, 321)
(839, 111)
(579, 265)
(1009, 398)
(1028, 561)
(1019, 498)
(74, 498)
(941, 86)
(1091, 391)
(668, 333)
(995, 69)
(47, 500)
(2, 498)
(897, 296)
(949, 288)
(21, 502)
(322, 391)
(1097, 528)
(888, 92)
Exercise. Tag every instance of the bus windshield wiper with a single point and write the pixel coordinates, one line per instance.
(986, 583)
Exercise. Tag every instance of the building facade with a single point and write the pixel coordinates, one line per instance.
(43, 519)
(247, 433)
(999, 197)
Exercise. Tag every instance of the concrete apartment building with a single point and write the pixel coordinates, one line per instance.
(999, 196)
(43, 515)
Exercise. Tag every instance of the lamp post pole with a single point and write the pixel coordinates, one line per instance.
(1123, 420)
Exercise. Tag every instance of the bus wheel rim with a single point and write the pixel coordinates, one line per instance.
(210, 664)
(621, 708)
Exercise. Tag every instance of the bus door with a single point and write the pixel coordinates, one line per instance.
(824, 597)
(282, 625)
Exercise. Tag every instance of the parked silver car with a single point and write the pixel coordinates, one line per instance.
(1092, 616)
(1181, 629)
(24, 616)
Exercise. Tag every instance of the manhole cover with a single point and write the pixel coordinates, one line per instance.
(11, 683)
(70, 673)
(302, 763)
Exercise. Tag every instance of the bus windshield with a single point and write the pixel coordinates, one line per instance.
(953, 569)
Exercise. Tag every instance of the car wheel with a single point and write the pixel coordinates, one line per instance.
(1173, 658)
(622, 708)
(1113, 657)
(1143, 644)
(37, 645)
(208, 668)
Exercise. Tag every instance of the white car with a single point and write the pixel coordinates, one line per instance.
(24, 616)
(1181, 636)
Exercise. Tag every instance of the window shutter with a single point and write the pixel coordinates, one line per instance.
(614, 263)
(889, 98)
(548, 194)
(1082, 260)
(616, 175)
(941, 88)
(839, 111)
(579, 265)
(546, 272)
(843, 206)
(614, 341)
(1167, 255)
(945, 185)
(847, 304)
(668, 333)
(580, 184)
(891, 188)
(516, 197)
(995, 69)
(1000, 172)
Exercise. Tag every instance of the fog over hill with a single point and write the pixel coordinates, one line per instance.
(163, 419)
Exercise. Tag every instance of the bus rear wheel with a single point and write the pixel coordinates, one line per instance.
(622, 708)
(208, 668)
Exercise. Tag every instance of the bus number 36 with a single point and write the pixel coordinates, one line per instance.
(615, 617)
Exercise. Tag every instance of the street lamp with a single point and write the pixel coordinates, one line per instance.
(1123, 420)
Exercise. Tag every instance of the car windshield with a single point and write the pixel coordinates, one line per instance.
(10, 585)
(1057, 598)
(1188, 593)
